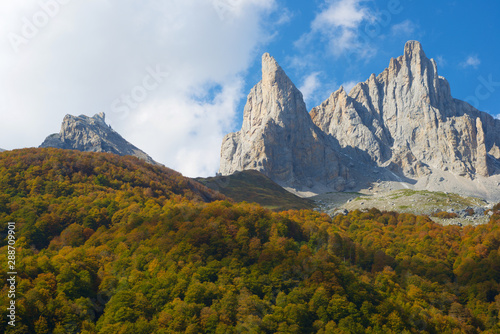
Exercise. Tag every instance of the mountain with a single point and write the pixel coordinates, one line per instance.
(92, 134)
(407, 116)
(254, 187)
(279, 138)
(2, 150)
(401, 127)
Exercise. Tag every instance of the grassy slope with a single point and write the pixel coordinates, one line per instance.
(254, 187)
(416, 202)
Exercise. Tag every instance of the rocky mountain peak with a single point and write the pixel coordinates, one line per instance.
(414, 50)
(403, 120)
(271, 70)
(416, 61)
(278, 136)
(406, 116)
(274, 98)
(100, 117)
(414, 67)
(92, 134)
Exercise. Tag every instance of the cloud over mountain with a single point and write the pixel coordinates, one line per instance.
(88, 57)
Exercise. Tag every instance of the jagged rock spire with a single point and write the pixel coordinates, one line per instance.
(274, 97)
(279, 138)
(413, 49)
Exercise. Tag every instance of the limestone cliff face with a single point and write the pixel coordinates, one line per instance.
(92, 134)
(402, 125)
(279, 138)
(406, 116)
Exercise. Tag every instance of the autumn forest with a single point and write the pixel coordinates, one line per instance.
(109, 244)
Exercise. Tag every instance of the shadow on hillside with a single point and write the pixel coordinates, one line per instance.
(364, 170)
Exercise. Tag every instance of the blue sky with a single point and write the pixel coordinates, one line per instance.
(173, 76)
(462, 36)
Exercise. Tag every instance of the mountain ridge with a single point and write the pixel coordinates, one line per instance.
(402, 125)
(383, 119)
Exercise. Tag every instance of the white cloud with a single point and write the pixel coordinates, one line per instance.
(285, 16)
(346, 14)
(89, 53)
(199, 131)
(349, 85)
(339, 24)
(441, 61)
(404, 28)
(310, 86)
(471, 61)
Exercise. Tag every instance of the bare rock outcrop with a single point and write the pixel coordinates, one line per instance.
(92, 134)
(279, 139)
(407, 116)
(401, 128)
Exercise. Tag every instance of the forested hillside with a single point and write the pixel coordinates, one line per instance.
(46, 190)
(110, 244)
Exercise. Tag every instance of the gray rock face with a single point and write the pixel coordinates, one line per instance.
(92, 134)
(401, 126)
(278, 137)
(406, 116)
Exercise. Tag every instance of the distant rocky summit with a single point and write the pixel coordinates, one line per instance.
(92, 134)
(401, 126)
(2, 150)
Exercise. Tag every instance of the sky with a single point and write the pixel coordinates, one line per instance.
(172, 76)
